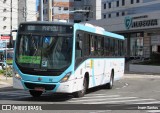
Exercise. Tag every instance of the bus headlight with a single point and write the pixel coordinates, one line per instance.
(66, 77)
(17, 76)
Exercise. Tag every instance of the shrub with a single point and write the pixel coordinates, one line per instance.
(1, 71)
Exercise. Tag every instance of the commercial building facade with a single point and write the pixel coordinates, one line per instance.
(137, 20)
(71, 10)
(8, 20)
(11, 14)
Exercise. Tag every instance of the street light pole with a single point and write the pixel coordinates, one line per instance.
(41, 10)
(25, 10)
(11, 20)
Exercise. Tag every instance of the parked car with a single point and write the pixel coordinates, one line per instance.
(3, 62)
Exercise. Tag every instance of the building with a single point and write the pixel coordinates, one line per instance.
(8, 19)
(137, 20)
(71, 10)
(11, 14)
(27, 10)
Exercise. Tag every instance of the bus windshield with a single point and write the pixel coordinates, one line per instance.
(44, 51)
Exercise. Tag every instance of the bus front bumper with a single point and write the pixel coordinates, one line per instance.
(65, 87)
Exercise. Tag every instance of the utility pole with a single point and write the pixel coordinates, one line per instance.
(41, 10)
(25, 10)
(50, 10)
(11, 20)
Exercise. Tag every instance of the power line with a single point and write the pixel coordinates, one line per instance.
(21, 10)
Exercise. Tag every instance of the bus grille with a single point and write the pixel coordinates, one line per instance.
(45, 86)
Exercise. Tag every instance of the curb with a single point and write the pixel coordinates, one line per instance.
(141, 76)
(140, 73)
(4, 84)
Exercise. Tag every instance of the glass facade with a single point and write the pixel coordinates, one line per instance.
(136, 46)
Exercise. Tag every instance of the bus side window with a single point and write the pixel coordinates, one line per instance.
(100, 46)
(79, 45)
(86, 45)
(92, 45)
(116, 47)
(107, 46)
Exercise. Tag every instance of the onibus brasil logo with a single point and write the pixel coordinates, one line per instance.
(128, 22)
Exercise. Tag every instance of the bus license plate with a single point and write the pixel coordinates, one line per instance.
(39, 89)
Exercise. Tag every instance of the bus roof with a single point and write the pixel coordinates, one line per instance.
(96, 29)
(81, 26)
(47, 22)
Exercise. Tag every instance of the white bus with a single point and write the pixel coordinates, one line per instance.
(66, 58)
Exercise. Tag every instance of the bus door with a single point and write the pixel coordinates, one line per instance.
(96, 47)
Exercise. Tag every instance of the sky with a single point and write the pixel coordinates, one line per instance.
(36, 3)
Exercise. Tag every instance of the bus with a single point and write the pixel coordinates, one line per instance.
(66, 58)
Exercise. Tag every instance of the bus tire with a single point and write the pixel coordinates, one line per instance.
(83, 91)
(110, 84)
(35, 93)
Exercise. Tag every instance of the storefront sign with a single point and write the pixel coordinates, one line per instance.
(5, 38)
(145, 23)
(130, 23)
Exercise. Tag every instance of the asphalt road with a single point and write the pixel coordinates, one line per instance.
(132, 89)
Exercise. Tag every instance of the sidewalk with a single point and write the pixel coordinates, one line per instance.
(5, 82)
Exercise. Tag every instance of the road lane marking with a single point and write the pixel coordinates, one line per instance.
(99, 96)
(9, 93)
(152, 102)
(119, 101)
(106, 99)
(153, 111)
(95, 94)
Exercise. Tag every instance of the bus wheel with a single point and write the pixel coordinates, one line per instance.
(83, 91)
(110, 84)
(35, 93)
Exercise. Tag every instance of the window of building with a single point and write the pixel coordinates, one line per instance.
(4, 1)
(123, 2)
(117, 14)
(4, 27)
(132, 1)
(104, 6)
(109, 15)
(123, 13)
(137, 1)
(117, 3)
(45, 11)
(104, 16)
(77, 21)
(4, 10)
(65, 8)
(59, 8)
(45, 1)
(109, 5)
(4, 18)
